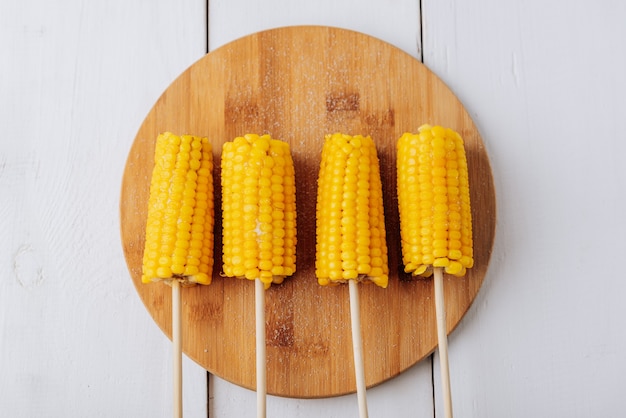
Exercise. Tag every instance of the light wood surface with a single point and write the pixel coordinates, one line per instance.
(298, 84)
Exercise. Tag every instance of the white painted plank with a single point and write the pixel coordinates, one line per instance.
(393, 21)
(77, 79)
(398, 23)
(544, 80)
(407, 395)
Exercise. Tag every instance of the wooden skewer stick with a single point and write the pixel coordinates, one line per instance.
(177, 350)
(442, 337)
(357, 346)
(261, 380)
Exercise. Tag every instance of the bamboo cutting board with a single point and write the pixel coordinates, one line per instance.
(298, 84)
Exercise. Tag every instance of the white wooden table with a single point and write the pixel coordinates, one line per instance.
(544, 82)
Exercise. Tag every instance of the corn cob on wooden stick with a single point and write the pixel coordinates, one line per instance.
(351, 240)
(350, 228)
(179, 229)
(259, 224)
(435, 218)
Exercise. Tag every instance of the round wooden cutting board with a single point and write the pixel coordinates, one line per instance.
(298, 84)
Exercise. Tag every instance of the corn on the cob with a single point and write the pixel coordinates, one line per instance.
(259, 209)
(351, 241)
(179, 229)
(434, 202)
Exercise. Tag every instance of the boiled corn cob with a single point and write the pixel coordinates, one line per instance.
(434, 202)
(351, 241)
(259, 209)
(179, 229)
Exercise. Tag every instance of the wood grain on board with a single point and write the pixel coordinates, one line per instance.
(298, 84)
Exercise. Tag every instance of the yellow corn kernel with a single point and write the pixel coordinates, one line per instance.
(179, 228)
(350, 226)
(434, 202)
(259, 209)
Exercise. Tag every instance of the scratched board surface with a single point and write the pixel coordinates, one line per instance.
(298, 84)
